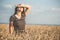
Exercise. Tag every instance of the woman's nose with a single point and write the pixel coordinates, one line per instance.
(19, 8)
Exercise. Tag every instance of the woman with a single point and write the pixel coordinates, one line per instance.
(17, 20)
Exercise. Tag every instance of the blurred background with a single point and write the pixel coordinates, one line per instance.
(41, 12)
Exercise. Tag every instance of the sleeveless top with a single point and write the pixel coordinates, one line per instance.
(18, 23)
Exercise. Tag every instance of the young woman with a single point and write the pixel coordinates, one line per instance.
(17, 20)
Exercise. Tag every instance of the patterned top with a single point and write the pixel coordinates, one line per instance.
(18, 23)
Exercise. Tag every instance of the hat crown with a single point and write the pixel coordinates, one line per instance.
(18, 5)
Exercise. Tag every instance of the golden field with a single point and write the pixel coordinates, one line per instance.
(32, 32)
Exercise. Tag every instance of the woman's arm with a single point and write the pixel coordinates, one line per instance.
(27, 9)
(11, 28)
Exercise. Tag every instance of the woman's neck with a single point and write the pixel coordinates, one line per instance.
(19, 13)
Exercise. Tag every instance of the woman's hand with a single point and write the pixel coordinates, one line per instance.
(25, 6)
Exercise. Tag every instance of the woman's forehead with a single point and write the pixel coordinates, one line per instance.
(19, 7)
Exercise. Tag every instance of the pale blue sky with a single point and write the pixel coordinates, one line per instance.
(42, 11)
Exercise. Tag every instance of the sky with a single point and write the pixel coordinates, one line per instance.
(41, 12)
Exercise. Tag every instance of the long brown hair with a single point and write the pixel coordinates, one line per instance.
(16, 9)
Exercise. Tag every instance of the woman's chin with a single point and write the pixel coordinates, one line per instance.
(19, 11)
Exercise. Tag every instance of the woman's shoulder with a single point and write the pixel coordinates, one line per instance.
(12, 16)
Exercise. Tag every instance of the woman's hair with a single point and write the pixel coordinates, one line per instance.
(16, 9)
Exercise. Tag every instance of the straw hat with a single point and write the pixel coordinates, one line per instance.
(19, 5)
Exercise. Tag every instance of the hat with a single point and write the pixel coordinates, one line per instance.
(19, 5)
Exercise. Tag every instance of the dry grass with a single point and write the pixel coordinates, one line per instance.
(33, 32)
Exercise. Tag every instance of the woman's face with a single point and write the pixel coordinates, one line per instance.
(20, 9)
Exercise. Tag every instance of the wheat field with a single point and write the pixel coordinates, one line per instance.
(32, 32)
